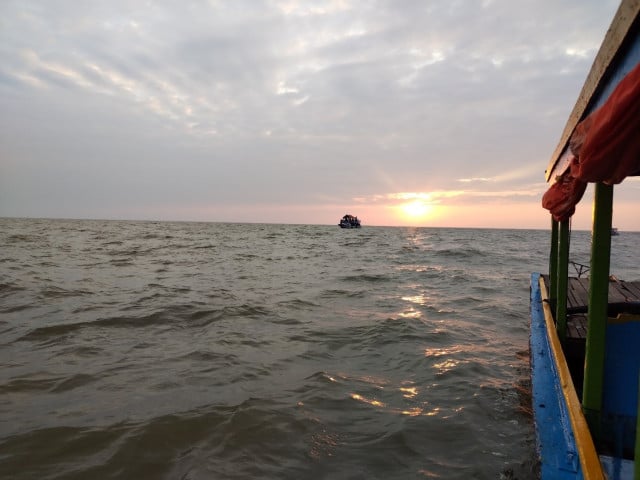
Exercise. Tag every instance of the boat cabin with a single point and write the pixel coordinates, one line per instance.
(585, 331)
(349, 221)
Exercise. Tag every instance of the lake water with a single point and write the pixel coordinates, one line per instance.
(232, 351)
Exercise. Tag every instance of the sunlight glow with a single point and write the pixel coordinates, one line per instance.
(409, 392)
(416, 210)
(375, 403)
(417, 299)
(411, 313)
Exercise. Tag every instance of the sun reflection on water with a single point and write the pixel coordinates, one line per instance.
(445, 355)
(446, 366)
(409, 392)
(441, 351)
(411, 313)
(375, 403)
(412, 412)
(417, 299)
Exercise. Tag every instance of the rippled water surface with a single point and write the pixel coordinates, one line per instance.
(208, 350)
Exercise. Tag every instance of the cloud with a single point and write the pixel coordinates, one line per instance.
(454, 197)
(286, 102)
(476, 179)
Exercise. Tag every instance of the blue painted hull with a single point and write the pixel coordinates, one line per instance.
(557, 443)
(555, 440)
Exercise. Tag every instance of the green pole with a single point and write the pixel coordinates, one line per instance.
(563, 279)
(553, 263)
(598, 304)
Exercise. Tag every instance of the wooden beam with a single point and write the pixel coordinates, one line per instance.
(598, 306)
(617, 33)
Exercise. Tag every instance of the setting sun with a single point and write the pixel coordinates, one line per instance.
(416, 210)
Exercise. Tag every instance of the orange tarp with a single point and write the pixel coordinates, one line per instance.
(563, 196)
(605, 148)
(607, 142)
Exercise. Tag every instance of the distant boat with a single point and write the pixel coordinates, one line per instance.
(614, 231)
(349, 221)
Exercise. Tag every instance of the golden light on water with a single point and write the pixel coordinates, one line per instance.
(370, 401)
(410, 395)
(412, 412)
(417, 299)
(445, 366)
(440, 351)
(409, 392)
(411, 313)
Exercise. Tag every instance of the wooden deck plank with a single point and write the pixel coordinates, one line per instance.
(577, 327)
(572, 299)
(634, 289)
(584, 285)
(620, 293)
(572, 332)
(630, 290)
(616, 294)
(578, 294)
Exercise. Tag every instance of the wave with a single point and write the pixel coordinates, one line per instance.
(459, 252)
(7, 289)
(341, 293)
(297, 304)
(53, 291)
(18, 238)
(62, 329)
(367, 277)
(328, 352)
(177, 315)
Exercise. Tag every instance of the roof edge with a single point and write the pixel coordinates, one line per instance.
(623, 20)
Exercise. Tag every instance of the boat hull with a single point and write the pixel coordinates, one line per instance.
(349, 221)
(563, 440)
(555, 439)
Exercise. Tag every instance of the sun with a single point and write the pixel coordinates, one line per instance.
(416, 210)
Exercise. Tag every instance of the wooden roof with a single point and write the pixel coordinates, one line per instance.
(618, 54)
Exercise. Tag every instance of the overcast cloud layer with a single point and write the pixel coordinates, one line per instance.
(291, 111)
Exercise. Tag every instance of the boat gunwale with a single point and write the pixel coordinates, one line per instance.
(590, 465)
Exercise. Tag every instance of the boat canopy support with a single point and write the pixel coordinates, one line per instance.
(563, 278)
(553, 263)
(598, 305)
(559, 274)
(598, 296)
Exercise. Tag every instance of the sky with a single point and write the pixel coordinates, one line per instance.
(403, 112)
